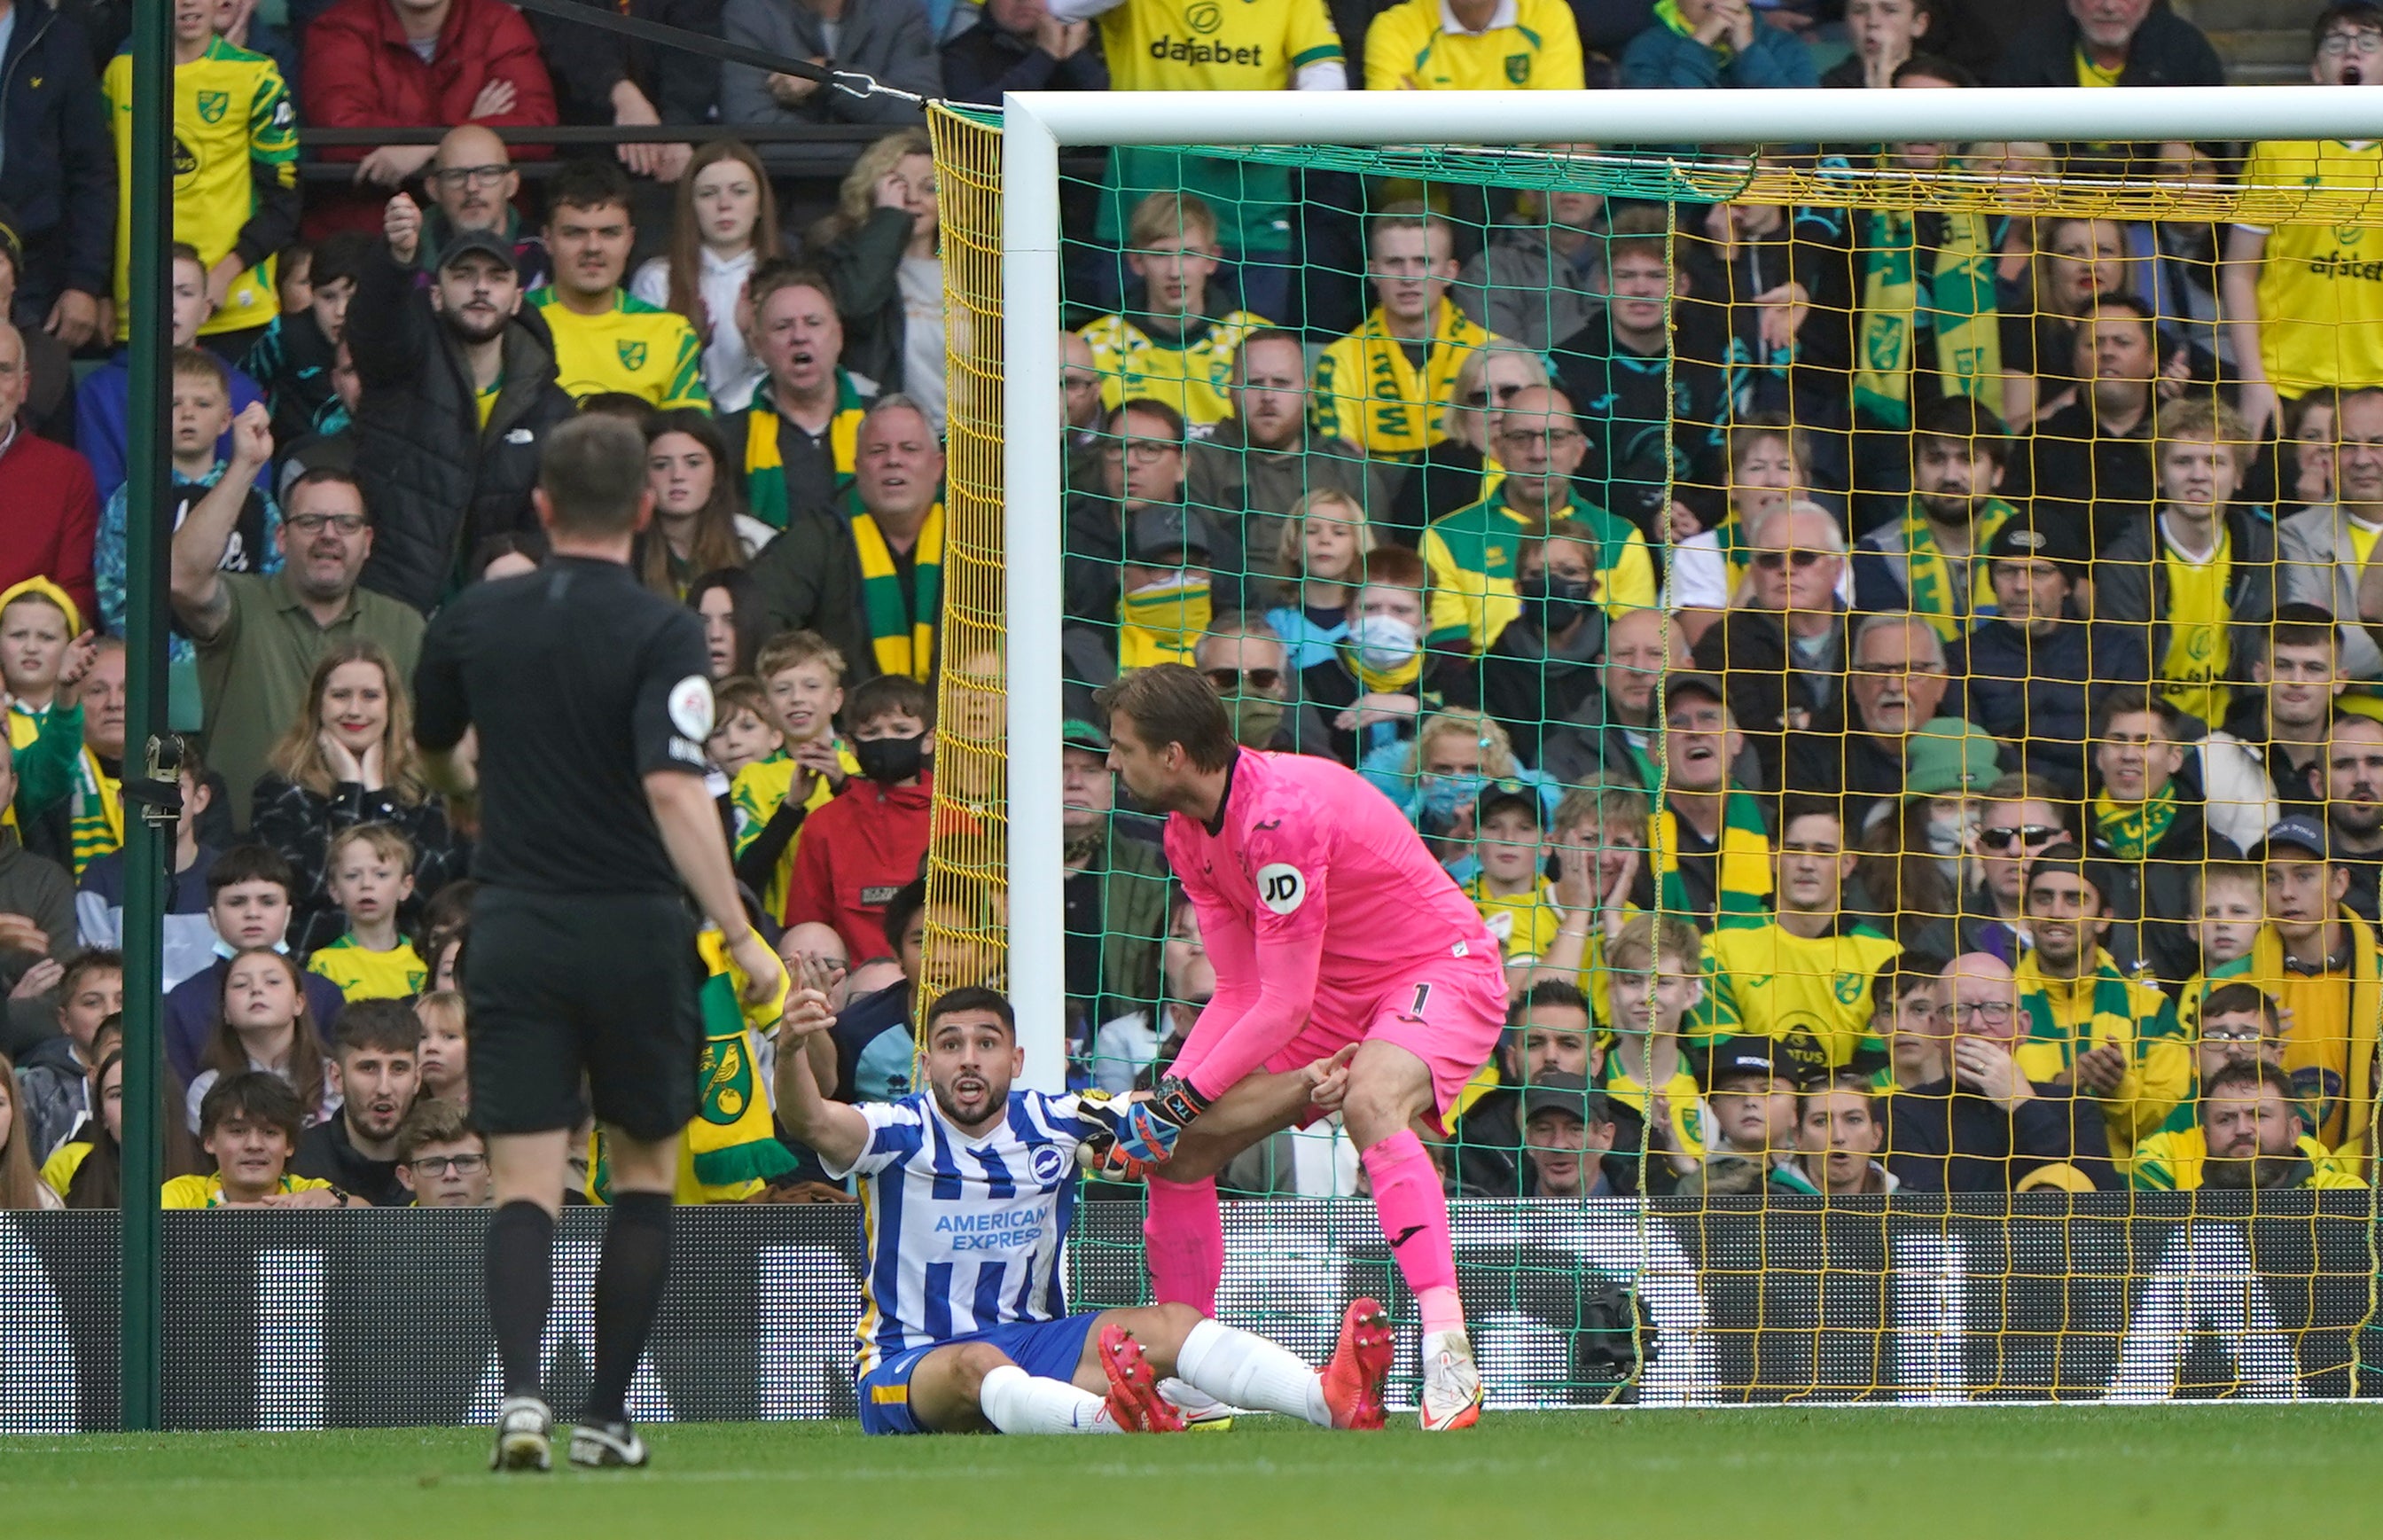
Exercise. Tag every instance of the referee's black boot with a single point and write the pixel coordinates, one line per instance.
(597, 1445)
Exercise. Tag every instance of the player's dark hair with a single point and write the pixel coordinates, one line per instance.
(975, 997)
(1172, 703)
(888, 695)
(592, 470)
(387, 1026)
(259, 1095)
(339, 257)
(902, 907)
(251, 863)
(2229, 999)
(589, 183)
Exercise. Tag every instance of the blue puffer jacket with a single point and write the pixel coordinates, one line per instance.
(1662, 59)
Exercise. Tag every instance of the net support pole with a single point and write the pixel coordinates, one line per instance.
(149, 300)
(1034, 493)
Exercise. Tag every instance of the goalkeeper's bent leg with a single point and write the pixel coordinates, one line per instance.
(1184, 1235)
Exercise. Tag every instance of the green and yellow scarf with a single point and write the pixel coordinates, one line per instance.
(98, 821)
(1956, 294)
(1742, 895)
(1928, 572)
(2132, 833)
(1163, 623)
(902, 639)
(765, 465)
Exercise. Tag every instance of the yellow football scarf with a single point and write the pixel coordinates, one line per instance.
(98, 811)
(1928, 572)
(2067, 1016)
(1956, 292)
(1743, 890)
(902, 637)
(2132, 833)
(1162, 623)
(2355, 1059)
(765, 464)
(1388, 682)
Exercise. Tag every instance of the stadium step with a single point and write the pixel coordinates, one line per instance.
(2263, 41)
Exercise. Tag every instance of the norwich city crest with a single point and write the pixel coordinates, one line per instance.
(212, 104)
(1518, 69)
(632, 355)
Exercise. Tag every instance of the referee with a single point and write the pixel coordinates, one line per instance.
(592, 698)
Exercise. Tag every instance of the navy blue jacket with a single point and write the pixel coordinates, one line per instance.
(58, 164)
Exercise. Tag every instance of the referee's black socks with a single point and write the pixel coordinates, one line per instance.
(629, 1278)
(521, 1289)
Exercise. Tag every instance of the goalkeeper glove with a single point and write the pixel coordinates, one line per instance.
(1153, 1126)
(1099, 1154)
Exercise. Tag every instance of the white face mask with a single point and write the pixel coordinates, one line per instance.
(1384, 642)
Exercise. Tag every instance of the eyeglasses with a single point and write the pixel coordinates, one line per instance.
(1141, 454)
(2336, 44)
(1231, 681)
(312, 525)
(1552, 440)
(1503, 392)
(1993, 1012)
(2032, 833)
(2232, 1034)
(453, 176)
(1779, 561)
(462, 1166)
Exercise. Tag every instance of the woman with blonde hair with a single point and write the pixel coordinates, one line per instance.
(1325, 538)
(350, 758)
(1459, 471)
(1436, 780)
(20, 1180)
(725, 225)
(880, 250)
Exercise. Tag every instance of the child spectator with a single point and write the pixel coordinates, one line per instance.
(1377, 680)
(250, 1122)
(263, 1023)
(1515, 901)
(55, 1095)
(2232, 904)
(190, 939)
(295, 358)
(446, 1047)
(376, 1070)
(103, 398)
(44, 654)
(803, 678)
(21, 1183)
(1174, 341)
(202, 415)
(371, 875)
(1752, 1099)
(866, 844)
(742, 730)
(1654, 976)
(733, 626)
(1325, 540)
(1903, 1016)
(249, 904)
(725, 223)
(1705, 44)
(441, 1162)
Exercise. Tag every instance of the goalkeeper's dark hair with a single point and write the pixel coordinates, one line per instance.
(1172, 703)
(2239, 996)
(975, 997)
(1554, 993)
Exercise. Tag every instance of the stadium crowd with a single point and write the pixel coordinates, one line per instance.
(1996, 802)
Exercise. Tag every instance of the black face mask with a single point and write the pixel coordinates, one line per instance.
(1554, 604)
(891, 761)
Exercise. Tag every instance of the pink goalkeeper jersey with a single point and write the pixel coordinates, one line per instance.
(1316, 900)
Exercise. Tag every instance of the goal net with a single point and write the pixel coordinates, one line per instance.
(1870, 613)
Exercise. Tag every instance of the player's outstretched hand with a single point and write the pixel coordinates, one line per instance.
(808, 1015)
(1328, 1080)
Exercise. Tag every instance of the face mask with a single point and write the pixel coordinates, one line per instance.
(1554, 604)
(891, 761)
(1256, 721)
(1445, 796)
(1384, 642)
(1949, 836)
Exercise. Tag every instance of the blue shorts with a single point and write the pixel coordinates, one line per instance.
(1047, 1350)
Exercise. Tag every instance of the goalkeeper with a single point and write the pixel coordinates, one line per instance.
(1329, 927)
(968, 1188)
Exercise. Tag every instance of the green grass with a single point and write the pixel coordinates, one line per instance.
(1802, 1472)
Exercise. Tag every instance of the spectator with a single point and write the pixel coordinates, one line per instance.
(605, 78)
(416, 63)
(607, 340)
(2032, 672)
(1142, 470)
(2293, 306)
(1461, 468)
(1251, 670)
(237, 201)
(348, 759)
(1473, 45)
(472, 185)
(2149, 828)
(1116, 892)
(249, 1123)
(2271, 753)
(2250, 1136)
(2325, 552)
(699, 525)
(54, 509)
(1788, 980)
(1903, 1016)
(2093, 458)
(1770, 463)
(867, 843)
(1471, 552)
(886, 39)
(2022, 816)
(2075, 263)
(1178, 341)
(89, 822)
(1438, 781)
(1127, 1049)
(880, 251)
(2352, 786)
(1985, 1128)
(1379, 680)
(1931, 560)
(190, 939)
(1895, 686)
(2091, 1027)
(1838, 1137)
(2229, 1023)
(1599, 859)
(59, 180)
(249, 904)
(870, 582)
(85, 1171)
(446, 1039)
(1782, 652)
(376, 1071)
(1549, 1035)
(49, 405)
(1607, 736)
(54, 1080)
(1700, 44)
(1542, 669)
(1321, 552)
(44, 654)
(298, 355)
(725, 225)
(1536, 280)
(1884, 33)
(103, 397)
(744, 730)
(1568, 1138)
(441, 1161)
(1019, 46)
(1750, 1094)
(2316, 957)
(1382, 387)
(793, 446)
(2231, 898)
(734, 627)
(265, 1021)
(21, 1183)
(1079, 402)
(1736, 262)
(1517, 903)
(203, 415)
(371, 869)
(1715, 839)
(1653, 976)
(801, 678)
(2111, 42)
(1665, 389)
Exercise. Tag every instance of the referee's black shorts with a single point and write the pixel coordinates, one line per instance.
(567, 991)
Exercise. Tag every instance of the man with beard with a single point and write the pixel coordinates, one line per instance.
(459, 388)
(1931, 561)
(2353, 805)
(1263, 456)
(2089, 1029)
(2148, 828)
(1245, 660)
(1895, 685)
(376, 1065)
(2251, 1138)
(1783, 653)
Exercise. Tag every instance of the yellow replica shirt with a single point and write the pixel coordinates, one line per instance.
(2066, 1017)
(1472, 554)
(1810, 994)
(1525, 923)
(1683, 1100)
(1368, 392)
(755, 797)
(634, 348)
(1191, 374)
(1215, 45)
(2175, 1161)
(58, 1171)
(2092, 75)
(364, 974)
(207, 1192)
(2199, 645)
(1528, 45)
(231, 114)
(2320, 285)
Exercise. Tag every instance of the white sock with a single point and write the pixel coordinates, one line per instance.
(1241, 1369)
(1187, 1397)
(1016, 1401)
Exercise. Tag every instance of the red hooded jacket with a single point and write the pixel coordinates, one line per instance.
(360, 73)
(52, 517)
(851, 857)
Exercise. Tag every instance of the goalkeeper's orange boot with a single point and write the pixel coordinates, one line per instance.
(1360, 1363)
(1134, 1402)
(1451, 1383)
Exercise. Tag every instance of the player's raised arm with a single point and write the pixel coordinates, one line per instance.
(839, 1133)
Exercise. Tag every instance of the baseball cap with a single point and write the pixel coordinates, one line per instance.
(1696, 682)
(1746, 1055)
(1160, 535)
(2301, 832)
(1947, 756)
(1506, 794)
(1080, 732)
(2022, 538)
(1565, 1094)
(465, 242)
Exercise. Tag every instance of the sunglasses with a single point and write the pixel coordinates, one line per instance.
(1230, 680)
(2033, 834)
(1777, 561)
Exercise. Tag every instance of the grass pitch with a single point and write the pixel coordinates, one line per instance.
(1816, 1472)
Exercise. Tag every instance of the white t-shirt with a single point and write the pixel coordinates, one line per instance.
(922, 335)
(730, 371)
